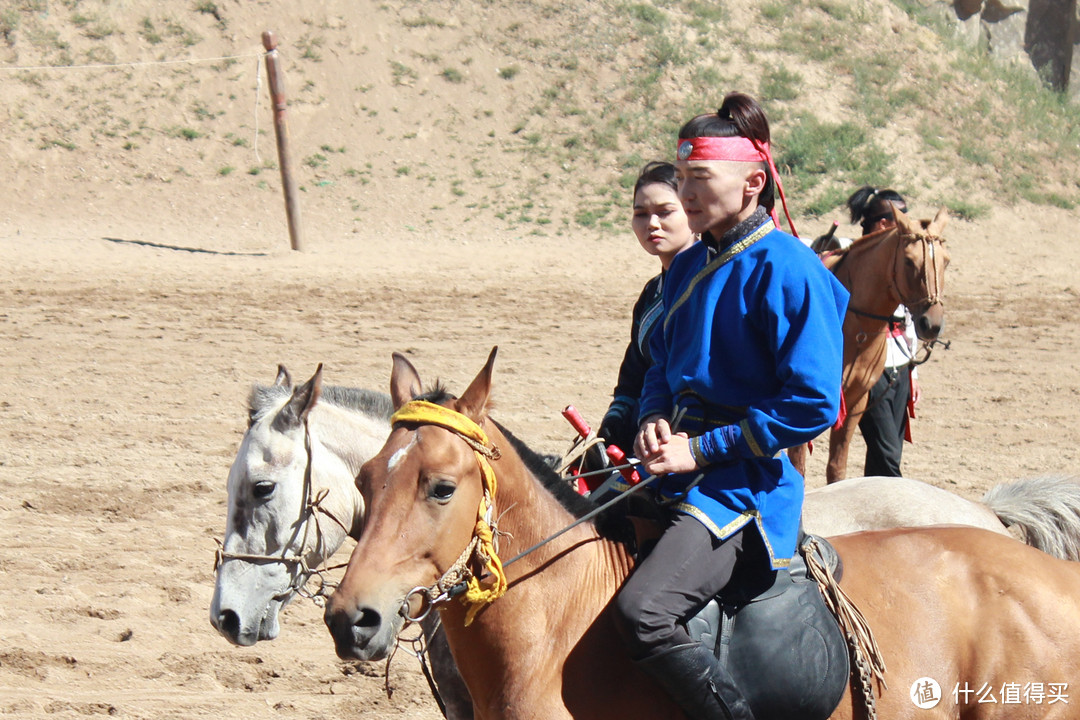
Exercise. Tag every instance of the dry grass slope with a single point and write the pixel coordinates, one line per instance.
(531, 117)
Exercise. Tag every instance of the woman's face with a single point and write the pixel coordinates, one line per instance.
(660, 223)
(718, 194)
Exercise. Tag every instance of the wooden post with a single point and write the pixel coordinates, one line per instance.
(281, 130)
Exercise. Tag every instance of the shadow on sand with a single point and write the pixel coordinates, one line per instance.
(146, 243)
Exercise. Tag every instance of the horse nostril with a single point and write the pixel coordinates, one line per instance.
(368, 618)
(350, 627)
(228, 623)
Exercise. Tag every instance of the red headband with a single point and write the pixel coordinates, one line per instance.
(735, 149)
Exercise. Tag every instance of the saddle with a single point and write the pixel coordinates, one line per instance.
(783, 646)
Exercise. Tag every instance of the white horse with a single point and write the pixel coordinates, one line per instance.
(293, 501)
(1043, 512)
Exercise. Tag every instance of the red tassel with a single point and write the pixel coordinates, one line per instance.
(842, 415)
(910, 410)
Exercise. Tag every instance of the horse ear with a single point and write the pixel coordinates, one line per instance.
(473, 403)
(404, 381)
(300, 404)
(907, 227)
(284, 379)
(937, 225)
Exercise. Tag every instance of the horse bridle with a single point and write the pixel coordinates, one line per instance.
(933, 293)
(454, 581)
(459, 579)
(303, 572)
(933, 290)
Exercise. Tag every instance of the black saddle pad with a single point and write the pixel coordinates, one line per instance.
(783, 647)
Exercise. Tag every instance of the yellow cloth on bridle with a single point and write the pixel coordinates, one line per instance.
(422, 412)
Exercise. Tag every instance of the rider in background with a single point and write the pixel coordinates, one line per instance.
(662, 230)
(884, 424)
(749, 356)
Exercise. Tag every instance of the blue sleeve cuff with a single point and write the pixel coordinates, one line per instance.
(695, 451)
(716, 446)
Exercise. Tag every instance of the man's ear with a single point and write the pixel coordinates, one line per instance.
(756, 181)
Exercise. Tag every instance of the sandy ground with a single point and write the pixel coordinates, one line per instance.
(127, 350)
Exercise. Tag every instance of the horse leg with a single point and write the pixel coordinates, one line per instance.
(797, 456)
(840, 437)
(839, 445)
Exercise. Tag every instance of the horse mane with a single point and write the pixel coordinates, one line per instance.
(436, 394)
(833, 258)
(366, 402)
(868, 239)
(612, 524)
(541, 469)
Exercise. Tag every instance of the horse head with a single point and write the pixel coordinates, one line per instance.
(919, 276)
(426, 492)
(273, 533)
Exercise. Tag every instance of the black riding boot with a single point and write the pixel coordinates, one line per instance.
(697, 682)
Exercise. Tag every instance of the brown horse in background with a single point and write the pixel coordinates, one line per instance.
(968, 608)
(904, 265)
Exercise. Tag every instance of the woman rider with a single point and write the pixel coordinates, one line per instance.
(749, 358)
(662, 230)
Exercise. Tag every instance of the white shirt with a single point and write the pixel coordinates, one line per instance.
(900, 350)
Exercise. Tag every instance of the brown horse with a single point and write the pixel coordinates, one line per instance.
(904, 265)
(970, 609)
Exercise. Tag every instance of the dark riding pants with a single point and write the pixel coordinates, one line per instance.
(884, 422)
(686, 569)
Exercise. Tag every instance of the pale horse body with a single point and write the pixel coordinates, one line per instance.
(1043, 512)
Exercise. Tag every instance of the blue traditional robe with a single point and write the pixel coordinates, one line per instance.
(751, 351)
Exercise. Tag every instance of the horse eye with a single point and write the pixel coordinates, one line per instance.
(263, 489)
(443, 491)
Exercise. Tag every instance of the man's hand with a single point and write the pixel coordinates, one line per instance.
(661, 451)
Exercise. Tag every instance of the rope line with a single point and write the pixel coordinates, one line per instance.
(189, 61)
(110, 66)
(258, 92)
